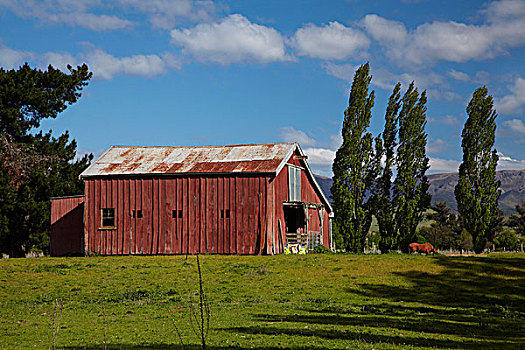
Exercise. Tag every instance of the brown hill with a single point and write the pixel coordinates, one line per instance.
(512, 189)
(442, 188)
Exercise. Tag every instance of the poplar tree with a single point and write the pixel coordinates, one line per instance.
(383, 206)
(477, 191)
(410, 197)
(355, 165)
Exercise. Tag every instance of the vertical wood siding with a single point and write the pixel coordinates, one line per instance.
(222, 214)
(180, 215)
(66, 226)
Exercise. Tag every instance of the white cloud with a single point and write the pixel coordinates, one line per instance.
(232, 40)
(58, 60)
(499, 11)
(437, 146)
(165, 14)
(10, 58)
(91, 21)
(452, 41)
(448, 41)
(446, 120)
(330, 42)
(513, 102)
(443, 95)
(106, 66)
(341, 71)
(439, 165)
(385, 79)
(290, 134)
(461, 76)
(509, 163)
(320, 155)
(516, 125)
(73, 13)
(386, 31)
(320, 159)
(103, 65)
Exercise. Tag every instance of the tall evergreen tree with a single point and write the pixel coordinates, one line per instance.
(477, 191)
(35, 167)
(355, 165)
(382, 200)
(411, 184)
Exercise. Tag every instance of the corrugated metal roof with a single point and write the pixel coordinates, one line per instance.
(134, 160)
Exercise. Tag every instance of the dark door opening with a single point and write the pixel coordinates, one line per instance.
(295, 224)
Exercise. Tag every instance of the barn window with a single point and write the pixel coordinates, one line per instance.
(137, 213)
(294, 184)
(225, 213)
(176, 213)
(108, 217)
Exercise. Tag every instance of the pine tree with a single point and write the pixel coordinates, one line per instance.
(35, 167)
(411, 184)
(355, 165)
(382, 200)
(477, 191)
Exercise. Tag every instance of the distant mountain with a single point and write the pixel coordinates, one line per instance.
(326, 185)
(512, 189)
(442, 188)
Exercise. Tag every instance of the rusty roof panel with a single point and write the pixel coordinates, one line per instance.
(131, 160)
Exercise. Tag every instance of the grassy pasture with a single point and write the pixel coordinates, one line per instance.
(293, 302)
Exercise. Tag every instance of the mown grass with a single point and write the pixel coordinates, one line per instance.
(294, 302)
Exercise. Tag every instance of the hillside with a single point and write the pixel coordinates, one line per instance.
(512, 189)
(442, 188)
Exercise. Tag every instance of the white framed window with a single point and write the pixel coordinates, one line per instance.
(294, 183)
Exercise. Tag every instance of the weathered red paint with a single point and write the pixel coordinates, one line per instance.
(216, 207)
(66, 225)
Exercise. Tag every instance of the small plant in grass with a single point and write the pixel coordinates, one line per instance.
(200, 318)
(56, 323)
(104, 323)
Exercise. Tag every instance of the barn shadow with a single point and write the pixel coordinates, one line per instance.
(474, 303)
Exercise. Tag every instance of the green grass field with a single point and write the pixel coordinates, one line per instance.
(293, 302)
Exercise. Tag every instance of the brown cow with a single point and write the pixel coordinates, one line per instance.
(426, 248)
(413, 248)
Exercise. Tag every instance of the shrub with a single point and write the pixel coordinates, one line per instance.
(507, 239)
(321, 249)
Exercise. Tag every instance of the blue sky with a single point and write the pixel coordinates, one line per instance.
(226, 72)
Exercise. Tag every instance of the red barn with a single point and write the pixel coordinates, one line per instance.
(239, 199)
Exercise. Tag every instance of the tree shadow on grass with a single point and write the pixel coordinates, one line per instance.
(482, 284)
(473, 303)
(177, 347)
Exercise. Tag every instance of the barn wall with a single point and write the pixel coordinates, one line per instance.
(308, 194)
(200, 224)
(66, 225)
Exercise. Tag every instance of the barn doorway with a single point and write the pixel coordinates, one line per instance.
(295, 223)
